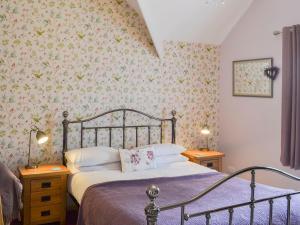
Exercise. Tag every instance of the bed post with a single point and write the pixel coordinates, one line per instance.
(152, 210)
(65, 134)
(173, 126)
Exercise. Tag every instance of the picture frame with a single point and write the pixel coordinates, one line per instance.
(249, 79)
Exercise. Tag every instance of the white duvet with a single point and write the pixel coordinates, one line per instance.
(79, 182)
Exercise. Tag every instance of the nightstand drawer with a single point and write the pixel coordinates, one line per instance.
(46, 198)
(45, 184)
(213, 164)
(46, 213)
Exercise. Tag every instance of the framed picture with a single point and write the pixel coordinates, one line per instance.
(249, 79)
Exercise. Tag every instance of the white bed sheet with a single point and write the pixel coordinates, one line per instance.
(78, 183)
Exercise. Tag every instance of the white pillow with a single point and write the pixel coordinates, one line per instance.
(92, 156)
(167, 149)
(73, 168)
(168, 159)
(137, 159)
(109, 166)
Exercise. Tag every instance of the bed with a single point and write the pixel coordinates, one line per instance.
(176, 193)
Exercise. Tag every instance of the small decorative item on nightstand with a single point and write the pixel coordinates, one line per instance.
(44, 194)
(211, 159)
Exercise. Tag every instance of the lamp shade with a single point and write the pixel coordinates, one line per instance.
(41, 137)
(205, 130)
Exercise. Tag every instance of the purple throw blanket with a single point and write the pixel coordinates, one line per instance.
(11, 194)
(123, 202)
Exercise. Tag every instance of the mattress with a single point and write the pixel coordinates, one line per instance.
(78, 183)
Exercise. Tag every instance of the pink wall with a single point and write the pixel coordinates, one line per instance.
(250, 127)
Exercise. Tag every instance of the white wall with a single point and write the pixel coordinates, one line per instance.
(189, 20)
(250, 127)
(193, 20)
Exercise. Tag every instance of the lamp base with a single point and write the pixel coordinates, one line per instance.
(204, 149)
(31, 166)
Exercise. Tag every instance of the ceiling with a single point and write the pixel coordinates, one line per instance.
(189, 20)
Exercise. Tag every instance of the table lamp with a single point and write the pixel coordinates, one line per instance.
(205, 131)
(41, 138)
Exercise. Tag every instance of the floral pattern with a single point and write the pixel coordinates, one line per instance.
(150, 155)
(249, 78)
(137, 159)
(88, 57)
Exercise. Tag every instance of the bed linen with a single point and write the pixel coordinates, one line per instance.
(79, 182)
(123, 202)
(110, 197)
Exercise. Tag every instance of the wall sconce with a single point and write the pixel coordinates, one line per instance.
(41, 138)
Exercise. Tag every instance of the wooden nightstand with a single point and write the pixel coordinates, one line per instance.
(44, 194)
(211, 159)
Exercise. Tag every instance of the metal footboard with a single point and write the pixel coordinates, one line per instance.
(152, 210)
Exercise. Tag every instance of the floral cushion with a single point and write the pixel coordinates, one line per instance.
(137, 159)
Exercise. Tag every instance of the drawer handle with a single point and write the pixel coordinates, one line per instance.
(45, 213)
(46, 198)
(210, 164)
(46, 185)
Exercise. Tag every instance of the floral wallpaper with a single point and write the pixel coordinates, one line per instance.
(88, 57)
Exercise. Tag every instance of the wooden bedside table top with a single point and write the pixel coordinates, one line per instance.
(203, 154)
(42, 170)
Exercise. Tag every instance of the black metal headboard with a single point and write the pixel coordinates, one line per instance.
(123, 126)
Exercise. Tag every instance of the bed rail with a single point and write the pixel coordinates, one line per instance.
(152, 210)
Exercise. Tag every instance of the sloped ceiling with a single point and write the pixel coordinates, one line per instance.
(189, 20)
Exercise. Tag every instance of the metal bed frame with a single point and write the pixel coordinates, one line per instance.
(152, 210)
(123, 126)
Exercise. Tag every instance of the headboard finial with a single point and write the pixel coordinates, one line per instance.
(173, 112)
(65, 114)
